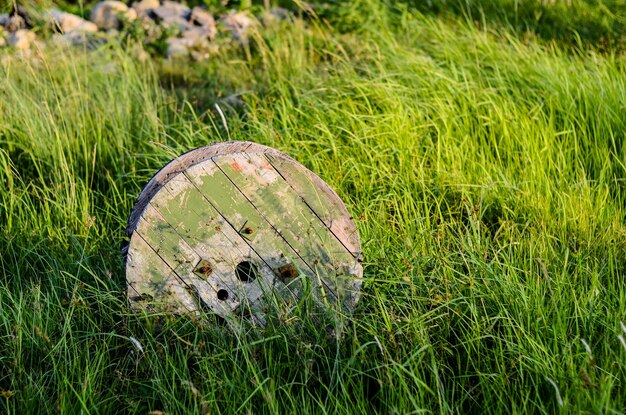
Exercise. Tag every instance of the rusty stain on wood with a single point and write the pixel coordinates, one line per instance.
(235, 227)
(203, 268)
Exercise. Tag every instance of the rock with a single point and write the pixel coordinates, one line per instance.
(89, 40)
(153, 32)
(15, 23)
(67, 22)
(4, 19)
(176, 48)
(239, 24)
(21, 39)
(201, 17)
(197, 35)
(19, 18)
(274, 16)
(197, 40)
(111, 14)
(145, 7)
(173, 14)
(194, 42)
(175, 8)
(205, 20)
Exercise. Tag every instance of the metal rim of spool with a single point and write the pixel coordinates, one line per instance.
(197, 158)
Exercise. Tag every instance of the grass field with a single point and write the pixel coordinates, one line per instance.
(481, 149)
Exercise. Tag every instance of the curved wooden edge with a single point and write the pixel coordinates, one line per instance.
(201, 154)
(186, 160)
(344, 221)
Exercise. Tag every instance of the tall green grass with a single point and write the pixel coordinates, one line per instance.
(485, 171)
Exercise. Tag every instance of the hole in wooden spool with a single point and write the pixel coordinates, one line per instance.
(222, 295)
(246, 271)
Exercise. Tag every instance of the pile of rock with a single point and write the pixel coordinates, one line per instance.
(187, 32)
(14, 29)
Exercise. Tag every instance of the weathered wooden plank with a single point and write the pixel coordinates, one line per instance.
(203, 228)
(184, 161)
(316, 194)
(151, 282)
(271, 194)
(264, 239)
(234, 206)
(163, 238)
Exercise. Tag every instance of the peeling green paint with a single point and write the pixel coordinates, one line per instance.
(243, 208)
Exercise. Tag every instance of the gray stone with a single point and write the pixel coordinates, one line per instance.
(280, 13)
(21, 39)
(197, 36)
(176, 48)
(274, 16)
(201, 17)
(73, 38)
(23, 15)
(110, 14)
(238, 24)
(67, 22)
(78, 38)
(153, 32)
(144, 7)
(205, 21)
(173, 14)
(194, 38)
(175, 8)
(194, 42)
(15, 23)
(4, 19)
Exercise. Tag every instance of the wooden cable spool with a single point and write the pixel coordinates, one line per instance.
(236, 227)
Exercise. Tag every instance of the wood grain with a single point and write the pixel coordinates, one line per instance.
(221, 209)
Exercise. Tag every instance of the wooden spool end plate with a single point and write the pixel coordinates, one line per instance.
(235, 228)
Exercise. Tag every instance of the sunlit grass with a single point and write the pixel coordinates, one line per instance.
(485, 172)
